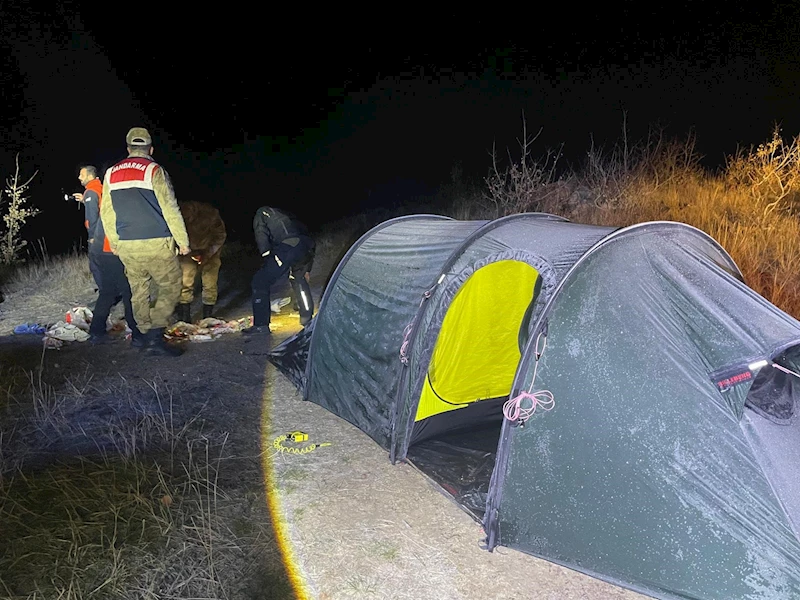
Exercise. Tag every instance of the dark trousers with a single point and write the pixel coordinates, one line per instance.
(109, 275)
(294, 261)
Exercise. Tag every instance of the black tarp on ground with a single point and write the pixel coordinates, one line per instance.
(291, 356)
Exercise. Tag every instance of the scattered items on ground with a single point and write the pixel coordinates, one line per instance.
(277, 304)
(75, 327)
(29, 328)
(206, 330)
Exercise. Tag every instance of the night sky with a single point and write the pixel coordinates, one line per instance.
(328, 112)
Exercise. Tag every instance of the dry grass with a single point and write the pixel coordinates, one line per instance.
(750, 207)
(44, 289)
(109, 483)
(62, 274)
(141, 518)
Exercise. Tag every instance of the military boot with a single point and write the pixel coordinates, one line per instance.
(208, 309)
(157, 346)
(183, 312)
(138, 339)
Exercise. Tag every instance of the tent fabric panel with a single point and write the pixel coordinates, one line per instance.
(702, 280)
(430, 404)
(477, 352)
(561, 244)
(354, 356)
(472, 417)
(725, 323)
(776, 449)
(641, 471)
(485, 251)
(429, 325)
(539, 242)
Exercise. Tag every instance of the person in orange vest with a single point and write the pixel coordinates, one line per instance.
(107, 269)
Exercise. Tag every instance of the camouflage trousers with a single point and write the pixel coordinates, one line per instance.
(209, 274)
(152, 269)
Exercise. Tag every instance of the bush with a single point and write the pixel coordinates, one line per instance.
(770, 172)
(523, 185)
(16, 212)
(750, 207)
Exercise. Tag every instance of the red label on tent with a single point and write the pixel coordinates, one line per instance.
(735, 379)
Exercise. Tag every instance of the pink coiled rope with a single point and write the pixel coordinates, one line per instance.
(515, 411)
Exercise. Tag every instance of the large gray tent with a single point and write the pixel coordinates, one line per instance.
(666, 461)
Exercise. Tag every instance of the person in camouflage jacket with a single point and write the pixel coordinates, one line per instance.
(144, 225)
(206, 236)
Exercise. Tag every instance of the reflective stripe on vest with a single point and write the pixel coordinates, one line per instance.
(138, 213)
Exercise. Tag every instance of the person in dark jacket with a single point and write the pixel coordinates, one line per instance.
(286, 248)
(107, 269)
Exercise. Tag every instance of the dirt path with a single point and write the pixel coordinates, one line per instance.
(361, 527)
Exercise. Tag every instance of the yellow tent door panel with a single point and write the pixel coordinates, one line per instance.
(477, 352)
